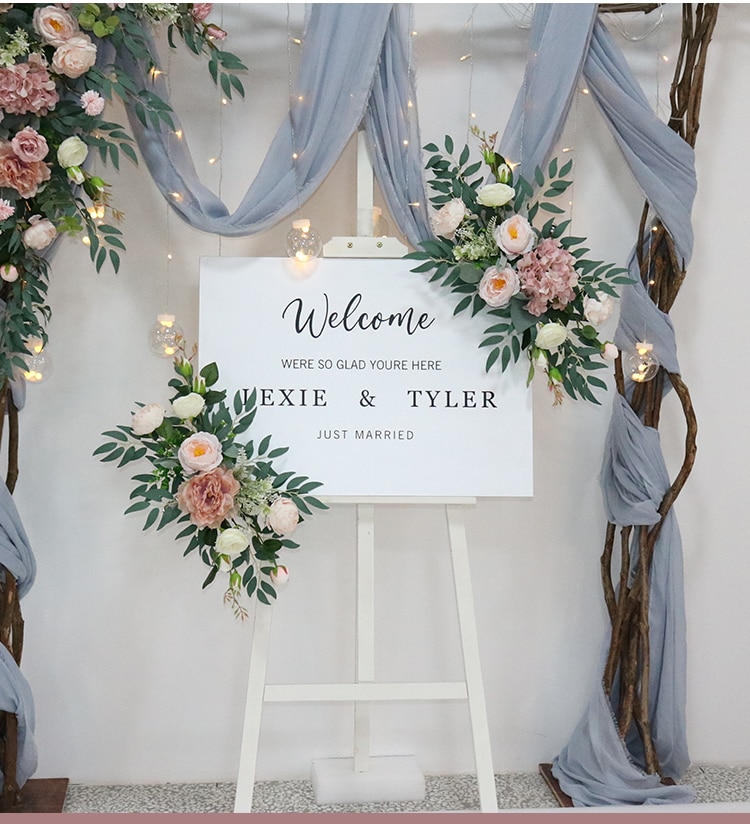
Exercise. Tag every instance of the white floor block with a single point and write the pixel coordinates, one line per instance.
(389, 778)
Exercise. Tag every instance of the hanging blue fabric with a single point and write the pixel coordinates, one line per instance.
(596, 767)
(342, 74)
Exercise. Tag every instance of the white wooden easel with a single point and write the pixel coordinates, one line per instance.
(366, 689)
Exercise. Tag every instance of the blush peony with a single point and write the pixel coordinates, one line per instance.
(498, 286)
(200, 452)
(597, 310)
(17, 174)
(448, 218)
(54, 25)
(283, 516)
(74, 57)
(514, 235)
(208, 498)
(147, 418)
(40, 234)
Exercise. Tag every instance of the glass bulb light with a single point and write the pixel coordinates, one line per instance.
(38, 364)
(303, 243)
(164, 336)
(641, 364)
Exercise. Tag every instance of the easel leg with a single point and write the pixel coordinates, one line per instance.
(365, 630)
(256, 682)
(472, 667)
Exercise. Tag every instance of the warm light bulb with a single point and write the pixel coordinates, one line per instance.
(303, 243)
(641, 365)
(39, 365)
(164, 336)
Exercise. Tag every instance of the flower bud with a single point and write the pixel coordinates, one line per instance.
(504, 174)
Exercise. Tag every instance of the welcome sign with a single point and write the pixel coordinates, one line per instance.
(362, 370)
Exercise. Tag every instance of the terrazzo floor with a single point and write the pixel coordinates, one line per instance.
(518, 791)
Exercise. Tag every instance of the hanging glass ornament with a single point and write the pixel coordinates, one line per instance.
(39, 364)
(303, 243)
(164, 336)
(641, 364)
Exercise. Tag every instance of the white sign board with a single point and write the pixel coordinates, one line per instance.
(362, 370)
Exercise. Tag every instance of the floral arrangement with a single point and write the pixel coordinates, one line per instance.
(545, 297)
(53, 93)
(239, 511)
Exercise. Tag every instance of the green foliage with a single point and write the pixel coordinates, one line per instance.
(460, 263)
(260, 487)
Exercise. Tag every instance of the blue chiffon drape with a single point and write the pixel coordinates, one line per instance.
(596, 767)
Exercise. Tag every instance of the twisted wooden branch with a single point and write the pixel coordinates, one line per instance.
(628, 659)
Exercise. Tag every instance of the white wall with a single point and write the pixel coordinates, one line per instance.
(139, 676)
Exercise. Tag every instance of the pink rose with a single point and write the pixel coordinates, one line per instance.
(74, 57)
(27, 88)
(40, 233)
(514, 235)
(29, 145)
(209, 497)
(498, 286)
(200, 452)
(214, 32)
(92, 103)
(448, 218)
(16, 174)
(54, 25)
(7, 209)
(283, 516)
(200, 11)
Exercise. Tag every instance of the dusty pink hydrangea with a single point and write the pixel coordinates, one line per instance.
(27, 88)
(16, 174)
(92, 103)
(208, 498)
(548, 277)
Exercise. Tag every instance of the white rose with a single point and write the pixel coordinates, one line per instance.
(610, 351)
(188, 406)
(514, 235)
(147, 418)
(283, 516)
(231, 542)
(448, 217)
(495, 194)
(74, 57)
(597, 310)
(279, 576)
(40, 233)
(550, 336)
(75, 174)
(72, 152)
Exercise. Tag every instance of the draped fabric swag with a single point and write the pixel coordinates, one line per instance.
(596, 767)
(346, 82)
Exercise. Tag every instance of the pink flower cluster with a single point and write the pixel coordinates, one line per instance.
(209, 497)
(548, 277)
(22, 165)
(27, 88)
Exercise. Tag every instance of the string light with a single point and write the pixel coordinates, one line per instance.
(642, 364)
(39, 365)
(303, 243)
(164, 336)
